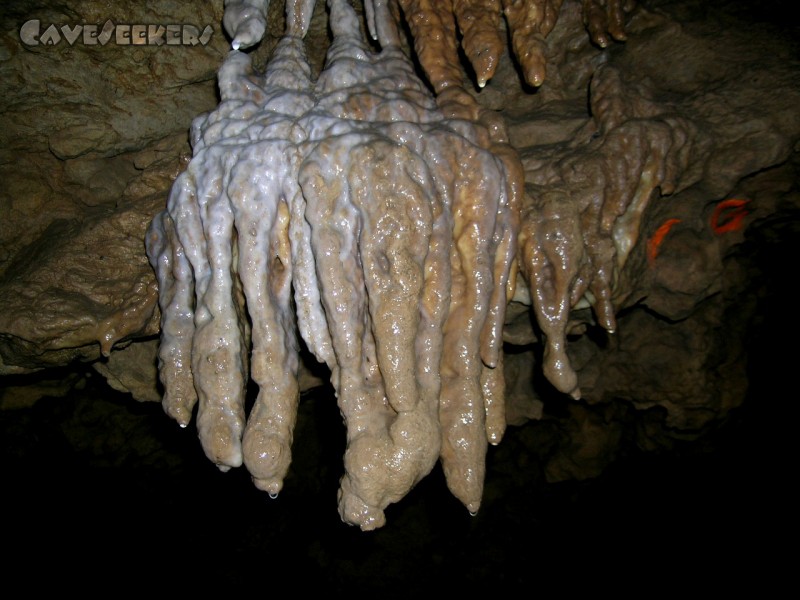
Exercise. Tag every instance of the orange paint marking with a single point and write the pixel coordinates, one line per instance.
(657, 238)
(732, 212)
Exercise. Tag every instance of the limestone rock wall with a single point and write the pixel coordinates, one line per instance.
(92, 136)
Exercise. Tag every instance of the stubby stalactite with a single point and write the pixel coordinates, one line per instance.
(387, 227)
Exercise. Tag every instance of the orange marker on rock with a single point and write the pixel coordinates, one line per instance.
(734, 212)
(657, 238)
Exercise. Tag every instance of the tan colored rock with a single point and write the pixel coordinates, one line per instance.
(88, 136)
(132, 369)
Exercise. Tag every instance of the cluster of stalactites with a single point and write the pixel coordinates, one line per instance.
(352, 211)
(578, 229)
(584, 212)
(433, 26)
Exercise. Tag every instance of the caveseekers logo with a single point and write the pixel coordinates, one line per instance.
(33, 33)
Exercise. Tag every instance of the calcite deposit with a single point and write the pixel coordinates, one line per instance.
(586, 211)
(529, 22)
(395, 228)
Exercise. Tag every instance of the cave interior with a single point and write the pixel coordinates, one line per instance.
(669, 463)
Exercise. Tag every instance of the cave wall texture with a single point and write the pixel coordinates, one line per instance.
(652, 167)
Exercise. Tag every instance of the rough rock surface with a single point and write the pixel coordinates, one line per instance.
(93, 137)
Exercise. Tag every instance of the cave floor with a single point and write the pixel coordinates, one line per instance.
(105, 491)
